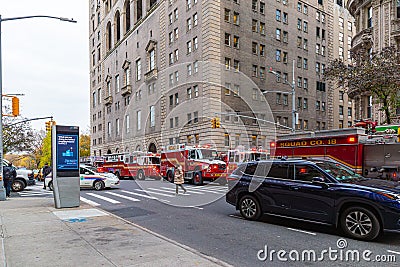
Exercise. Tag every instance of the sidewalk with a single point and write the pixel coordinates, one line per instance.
(34, 233)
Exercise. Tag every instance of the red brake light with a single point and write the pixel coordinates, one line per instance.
(272, 144)
(351, 139)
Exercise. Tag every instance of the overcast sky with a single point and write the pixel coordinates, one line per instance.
(47, 60)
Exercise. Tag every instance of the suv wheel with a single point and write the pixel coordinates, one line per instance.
(360, 223)
(17, 186)
(249, 208)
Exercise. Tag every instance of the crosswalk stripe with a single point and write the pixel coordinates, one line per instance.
(104, 198)
(204, 190)
(35, 193)
(137, 194)
(122, 196)
(166, 191)
(156, 193)
(199, 193)
(92, 203)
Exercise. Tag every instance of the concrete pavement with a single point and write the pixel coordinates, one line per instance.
(34, 233)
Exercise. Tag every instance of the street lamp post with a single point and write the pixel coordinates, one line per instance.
(2, 189)
(293, 93)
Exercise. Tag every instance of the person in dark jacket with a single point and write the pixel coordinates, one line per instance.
(10, 174)
(45, 171)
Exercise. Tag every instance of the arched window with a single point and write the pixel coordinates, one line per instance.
(117, 23)
(127, 16)
(108, 36)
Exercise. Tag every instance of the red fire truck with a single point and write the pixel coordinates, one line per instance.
(132, 165)
(237, 156)
(375, 156)
(198, 163)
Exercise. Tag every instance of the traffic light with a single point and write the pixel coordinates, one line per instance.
(48, 126)
(15, 106)
(53, 123)
(217, 123)
(213, 123)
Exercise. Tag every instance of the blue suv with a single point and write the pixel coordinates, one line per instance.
(322, 192)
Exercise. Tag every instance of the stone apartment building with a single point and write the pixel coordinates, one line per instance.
(343, 32)
(161, 69)
(377, 25)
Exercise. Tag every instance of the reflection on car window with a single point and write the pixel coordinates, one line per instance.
(306, 173)
(339, 171)
(280, 171)
(251, 168)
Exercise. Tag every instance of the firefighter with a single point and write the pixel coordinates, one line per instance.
(178, 179)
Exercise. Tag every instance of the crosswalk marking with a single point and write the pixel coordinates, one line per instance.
(170, 190)
(104, 198)
(122, 196)
(204, 190)
(189, 192)
(156, 193)
(137, 194)
(92, 203)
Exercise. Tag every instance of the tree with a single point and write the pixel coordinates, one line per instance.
(45, 156)
(17, 135)
(84, 145)
(377, 75)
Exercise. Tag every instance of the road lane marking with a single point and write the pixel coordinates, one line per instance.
(166, 191)
(92, 203)
(104, 198)
(204, 190)
(156, 193)
(168, 188)
(139, 195)
(301, 231)
(122, 196)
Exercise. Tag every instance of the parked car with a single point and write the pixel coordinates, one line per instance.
(24, 178)
(316, 191)
(90, 178)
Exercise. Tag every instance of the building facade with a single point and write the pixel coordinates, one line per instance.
(377, 26)
(161, 69)
(343, 32)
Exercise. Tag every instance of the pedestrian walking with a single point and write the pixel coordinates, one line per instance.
(178, 179)
(45, 171)
(10, 174)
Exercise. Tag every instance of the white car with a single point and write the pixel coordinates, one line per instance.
(89, 178)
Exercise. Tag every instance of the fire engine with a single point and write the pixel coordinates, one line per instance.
(236, 156)
(374, 156)
(132, 165)
(198, 163)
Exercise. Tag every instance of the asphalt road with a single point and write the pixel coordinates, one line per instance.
(204, 221)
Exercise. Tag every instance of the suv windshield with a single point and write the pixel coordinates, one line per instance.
(339, 171)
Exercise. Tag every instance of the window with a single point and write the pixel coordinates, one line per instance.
(227, 88)
(117, 85)
(349, 112)
(285, 36)
(341, 95)
(227, 16)
(188, 4)
(262, 72)
(152, 60)
(299, 81)
(305, 26)
(196, 66)
(254, 25)
(299, 22)
(195, 19)
(278, 98)
(317, 105)
(305, 83)
(227, 39)
(236, 42)
(369, 22)
(340, 110)
(189, 47)
(189, 118)
(285, 99)
(117, 127)
(189, 92)
(195, 43)
(305, 103)
(278, 15)
(278, 34)
(196, 90)
(176, 33)
(195, 117)
(254, 48)
(299, 41)
(254, 5)
(109, 129)
(176, 98)
(188, 24)
(176, 14)
(341, 23)
(285, 57)
(255, 70)
(189, 69)
(298, 6)
(262, 7)
(227, 63)
(285, 18)
(236, 65)
(305, 9)
(262, 28)
(305, 44)
(299, 60)
(305, 63)
(176, 54)
(278, 55)
(139, 120)
(236, 20)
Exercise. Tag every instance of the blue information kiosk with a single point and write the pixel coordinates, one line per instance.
(65, 155)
